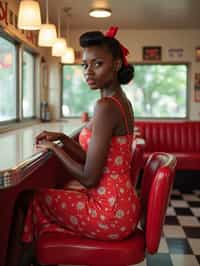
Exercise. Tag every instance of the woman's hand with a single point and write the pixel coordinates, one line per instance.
(49, 136)
(46, 145)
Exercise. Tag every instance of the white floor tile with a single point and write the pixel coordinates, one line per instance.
(188, 221)
(163, 248)
(179, 203)
(195, 245)
(184, 260)
(196, 211)
(174, 231)
(171, 211)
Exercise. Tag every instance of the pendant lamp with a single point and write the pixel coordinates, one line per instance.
(60, 44)
(68, 57)
(47, 34)
(29, 17)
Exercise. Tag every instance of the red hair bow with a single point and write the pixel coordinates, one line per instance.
(111, 33)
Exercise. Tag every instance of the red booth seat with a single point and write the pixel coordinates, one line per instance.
(181, 138)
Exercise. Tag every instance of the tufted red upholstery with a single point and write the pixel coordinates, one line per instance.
(182, 138)
(57, 248)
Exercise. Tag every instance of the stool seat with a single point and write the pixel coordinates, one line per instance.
(59, 248)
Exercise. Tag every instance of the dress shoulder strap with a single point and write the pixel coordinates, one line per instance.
(118, 103)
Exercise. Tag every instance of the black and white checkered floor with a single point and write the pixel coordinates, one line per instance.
(180, 243)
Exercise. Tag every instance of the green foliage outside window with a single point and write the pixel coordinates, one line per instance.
(157, 91)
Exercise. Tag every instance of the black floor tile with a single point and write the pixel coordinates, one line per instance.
(183, 211)
(160, 259)
(171, 220)
(192, 232)
(198, 258)
(194, 204)
(178, 246)
(176, 197)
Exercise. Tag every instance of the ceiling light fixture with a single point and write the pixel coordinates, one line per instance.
(60, 44)
(47, 34)
(29, 17)
(69, 55)
(100, 12)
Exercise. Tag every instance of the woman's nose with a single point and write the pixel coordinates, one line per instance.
(89, 69)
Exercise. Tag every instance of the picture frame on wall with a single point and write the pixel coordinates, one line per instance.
(197, 54)
(197, 87)
(152, 53)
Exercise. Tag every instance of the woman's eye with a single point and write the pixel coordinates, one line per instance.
(84, 66)
(97, 64)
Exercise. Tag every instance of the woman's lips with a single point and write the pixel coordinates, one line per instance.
(90, 81)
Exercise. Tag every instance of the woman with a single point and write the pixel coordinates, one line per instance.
(104, 205)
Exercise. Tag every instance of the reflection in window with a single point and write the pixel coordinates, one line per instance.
(28, 84)
(7, 80)
(157, 91)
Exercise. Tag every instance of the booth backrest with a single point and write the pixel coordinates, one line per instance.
(170, 136)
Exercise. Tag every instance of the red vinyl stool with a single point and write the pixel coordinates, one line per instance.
(56, 248)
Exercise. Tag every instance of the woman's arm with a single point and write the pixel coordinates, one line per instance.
(89, 174)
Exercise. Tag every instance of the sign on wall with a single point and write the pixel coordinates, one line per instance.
(197, 87)
(8, 18)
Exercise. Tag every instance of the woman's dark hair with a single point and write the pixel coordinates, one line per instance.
(96, 38)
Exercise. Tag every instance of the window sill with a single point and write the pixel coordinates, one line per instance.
(17, 125)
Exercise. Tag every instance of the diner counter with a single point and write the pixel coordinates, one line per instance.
(18, 156)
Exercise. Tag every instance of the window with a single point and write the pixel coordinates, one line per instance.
(8, 90)
(76, 96)
(157, 91)
(28, 85)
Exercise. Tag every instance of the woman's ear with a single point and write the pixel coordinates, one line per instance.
(118, 64)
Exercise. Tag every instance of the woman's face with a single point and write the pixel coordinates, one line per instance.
(99, 67)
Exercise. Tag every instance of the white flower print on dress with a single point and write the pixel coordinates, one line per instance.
(63, 205)
(103, 226)
(121, 140)
(112, 201)
(101, 190)
(102, 217)
(80, 205)
(123, 228)
(128, 184)
(118, 160)
(121, 190)
(93, 212)
(119, 214)
(73, 219)
(113, 236)
(114, 176)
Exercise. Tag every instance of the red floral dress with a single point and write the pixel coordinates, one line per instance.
(109, 211)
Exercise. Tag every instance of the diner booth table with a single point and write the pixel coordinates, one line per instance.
(23, 168)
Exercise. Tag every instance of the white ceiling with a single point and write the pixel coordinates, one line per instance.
(134, 14)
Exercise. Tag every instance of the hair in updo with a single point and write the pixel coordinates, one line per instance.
(96, 38)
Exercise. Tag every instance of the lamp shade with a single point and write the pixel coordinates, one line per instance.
(47, 35)
(59, 47)
(100, 12)
(29, 17)
(68, 57)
